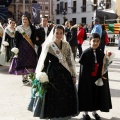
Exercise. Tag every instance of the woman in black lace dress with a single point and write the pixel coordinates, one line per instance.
(8, 42)
(60, 101)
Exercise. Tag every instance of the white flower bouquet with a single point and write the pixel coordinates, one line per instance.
(108, 60)
(15, 50)
(42, 77)
(5, 43)
(40, 83)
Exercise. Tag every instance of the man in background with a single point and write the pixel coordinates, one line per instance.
(42, 31)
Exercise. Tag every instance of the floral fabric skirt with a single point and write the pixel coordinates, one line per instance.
(60, 102)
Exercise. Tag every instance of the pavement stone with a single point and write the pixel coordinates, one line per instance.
(14, 97)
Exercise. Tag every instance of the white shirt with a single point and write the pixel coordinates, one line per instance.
(46, 29)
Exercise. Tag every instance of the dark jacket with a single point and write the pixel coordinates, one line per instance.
(68, 34)
(73, 39)
(40, 33)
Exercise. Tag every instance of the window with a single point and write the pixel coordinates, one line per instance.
(74, 21)
(57, 21)
(95, 5)
(61, 7)
(57, 10)
(34, 1)
(46, 7)
(41, 7)
(74, 7)
(84, 6)
(84, 20)
(66, 6)
(108, 4)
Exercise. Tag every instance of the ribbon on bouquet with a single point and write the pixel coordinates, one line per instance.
(60, 56)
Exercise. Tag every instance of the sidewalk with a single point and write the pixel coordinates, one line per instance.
(14, 97)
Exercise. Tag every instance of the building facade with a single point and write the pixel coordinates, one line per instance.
(79, 11)
(46, 8)
(118, 7)
(18, 7)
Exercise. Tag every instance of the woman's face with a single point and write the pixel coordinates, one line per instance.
(58, 34)
(95, 43)
(12, 24)
(25, 21)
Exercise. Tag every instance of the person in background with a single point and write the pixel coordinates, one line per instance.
(27, 58)
(86, 28)
(80, 36)
(102, 42)
(67, 30)
(73, 40)
(89, 28)
(97, 27)
(42, 31)
(93, 96)
(1, 33)
(8, 42)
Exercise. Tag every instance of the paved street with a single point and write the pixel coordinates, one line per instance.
(14, 96)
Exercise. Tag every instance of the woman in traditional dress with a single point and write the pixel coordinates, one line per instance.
(1, 33)
(93, 87)
(56, 59)
(27, 60)
(8, 42)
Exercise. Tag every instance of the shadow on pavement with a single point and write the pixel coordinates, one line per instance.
(4, 69)
(113, 118)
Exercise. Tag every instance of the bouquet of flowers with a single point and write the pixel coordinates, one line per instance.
(3, 47)
(39, 84)
(15, 53)
(5, 43)
(107, 61)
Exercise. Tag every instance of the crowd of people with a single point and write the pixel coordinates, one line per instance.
(55, 55)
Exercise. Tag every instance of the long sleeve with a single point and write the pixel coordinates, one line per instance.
(33, 35)
(80, 36)
(40, 33)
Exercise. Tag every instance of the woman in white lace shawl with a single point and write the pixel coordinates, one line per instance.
(57, 61)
